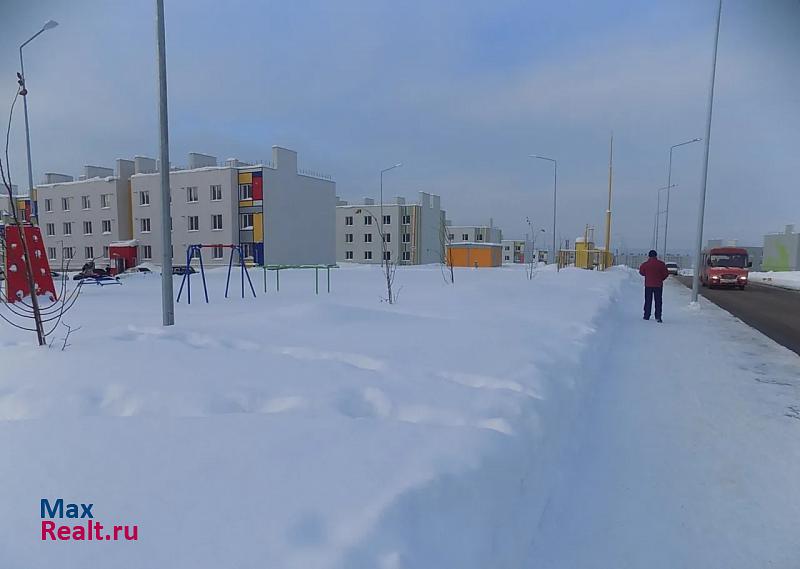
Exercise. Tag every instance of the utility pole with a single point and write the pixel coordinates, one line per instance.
(608, 210)
(698, 249)
(167, 303)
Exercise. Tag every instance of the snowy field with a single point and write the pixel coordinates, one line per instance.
(500, 423)
(783, 279)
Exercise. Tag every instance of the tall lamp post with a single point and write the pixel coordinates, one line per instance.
(383, 245)
(669, 185)
(702, 210)
(555, 195)
(23, 90)
(167, 302)
(657, 225)
(48, 25)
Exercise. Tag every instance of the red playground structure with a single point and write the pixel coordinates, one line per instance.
(16, 280)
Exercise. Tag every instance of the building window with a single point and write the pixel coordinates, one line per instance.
(368, 238)
(247, 250)
(387, 219)
(145, 224)
(387, 255)
(147, 252)
(348, 237)
(89, 251)
(506, 248)
(450, 236)
(191, 194)
(479, 237)
(406, 255)
(105, 251)
(87, 227)
(216, 251)
(105, 201)
(216, 193)
(348, 220)
(245, 192)
(144, 198)
(194, 223)
(348, 255)
(465, 236)
(246, 221)
(51, 229)
(406, 219)
(51, 253)
(387, 237)
(48, 205)
(406, 238)
(86, 202)
(368, 255)
(67, 228)
(367, 220)
(65, 203)
(106, 226)
(68, 253)
(216, 221)
(506, 258)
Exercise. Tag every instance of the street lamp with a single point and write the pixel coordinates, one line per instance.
(383, 245)
(167, 301)
(48, 25)
(657, 226)
(669, 184)
(555, 194)
(702, 210)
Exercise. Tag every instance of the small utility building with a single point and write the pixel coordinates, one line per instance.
(469, 254)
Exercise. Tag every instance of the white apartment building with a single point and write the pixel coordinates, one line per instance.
(279, 215)
(474, 233)
(521, 251)
(413, 232)
(80, 218)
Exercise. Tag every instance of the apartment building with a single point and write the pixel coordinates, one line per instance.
(22, 202)
(474, 233)
(413, 232)
(80, 218)
(521, 251)
(280, 216)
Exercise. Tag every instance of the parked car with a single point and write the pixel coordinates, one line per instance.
(672, 268)
(181, 270)
(138, 270)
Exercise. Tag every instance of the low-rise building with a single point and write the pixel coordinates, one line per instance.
(782, 250)
(80, 218)
(279, 215)
(474, 233)
(475, 255)
(414, 233)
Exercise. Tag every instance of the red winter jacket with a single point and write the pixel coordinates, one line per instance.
(654, 272)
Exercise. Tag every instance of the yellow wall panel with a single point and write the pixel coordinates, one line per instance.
(246, 178)
(258, 228)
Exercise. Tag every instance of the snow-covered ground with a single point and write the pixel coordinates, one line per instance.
(784, 279)
(500, 423)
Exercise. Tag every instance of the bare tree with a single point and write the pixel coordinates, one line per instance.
(388, 265)
(23, 315)
(444, 252)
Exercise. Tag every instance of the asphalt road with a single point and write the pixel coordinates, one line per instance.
(775, 312)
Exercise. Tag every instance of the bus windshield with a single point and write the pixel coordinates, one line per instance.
(728, 260)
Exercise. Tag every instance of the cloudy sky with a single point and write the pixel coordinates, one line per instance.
(460, 91)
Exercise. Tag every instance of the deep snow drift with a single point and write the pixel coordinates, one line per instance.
(499, 423)
(295, 430)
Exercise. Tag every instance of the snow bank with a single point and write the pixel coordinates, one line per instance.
(294, 430)
(784, 279)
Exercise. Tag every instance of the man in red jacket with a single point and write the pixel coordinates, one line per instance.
(655, 273)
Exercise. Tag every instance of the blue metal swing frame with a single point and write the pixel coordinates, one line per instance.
(193, 250)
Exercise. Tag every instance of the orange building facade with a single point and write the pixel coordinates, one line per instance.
(475, 254)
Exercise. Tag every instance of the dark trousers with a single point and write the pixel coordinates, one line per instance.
(650, 293)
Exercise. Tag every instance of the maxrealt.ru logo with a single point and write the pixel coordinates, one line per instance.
(87, 529)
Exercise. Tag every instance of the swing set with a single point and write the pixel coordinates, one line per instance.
(193, 251)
